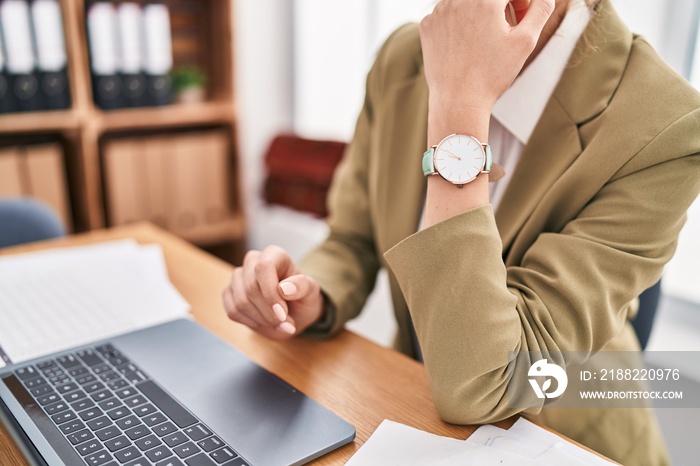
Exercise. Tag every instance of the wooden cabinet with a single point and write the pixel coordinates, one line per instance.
(174, 165)
(36, 171)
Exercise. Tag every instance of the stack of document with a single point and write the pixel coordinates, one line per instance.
(55, 300)
(524, 444)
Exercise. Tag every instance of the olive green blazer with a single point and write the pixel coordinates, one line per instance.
(589, 219)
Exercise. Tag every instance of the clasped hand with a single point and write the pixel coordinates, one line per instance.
(269, 294)
(472, 54)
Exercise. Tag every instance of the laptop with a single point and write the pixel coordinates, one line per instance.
(168, 395)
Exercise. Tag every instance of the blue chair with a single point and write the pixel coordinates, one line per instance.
(648, 304)
(24, 220)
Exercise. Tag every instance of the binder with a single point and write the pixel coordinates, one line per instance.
(7, 101)
(157, 53)
(51, 53)
(133, 81)
(20, 61)
(45, 179)
(104, 60)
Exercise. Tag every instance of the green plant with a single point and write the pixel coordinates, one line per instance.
(187, 77)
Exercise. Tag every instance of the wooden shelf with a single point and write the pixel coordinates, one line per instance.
(29, 122)
(202, 35)
(175, 115)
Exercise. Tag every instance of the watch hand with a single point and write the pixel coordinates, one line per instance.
(452, 155)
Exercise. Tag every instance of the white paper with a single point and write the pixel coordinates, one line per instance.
(534, 433)
(399, 445)
(55, 300)
(395, 444)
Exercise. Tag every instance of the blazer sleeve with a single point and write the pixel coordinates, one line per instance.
(571, 290)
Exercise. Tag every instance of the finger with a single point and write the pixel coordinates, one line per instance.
(241, 302)
(255, 296)
(274, 263)
(298, 287)
(535, 18)
(233, 312)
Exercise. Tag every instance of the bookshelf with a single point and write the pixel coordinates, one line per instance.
(201, 35)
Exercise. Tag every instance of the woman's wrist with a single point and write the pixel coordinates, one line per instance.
(455, 117)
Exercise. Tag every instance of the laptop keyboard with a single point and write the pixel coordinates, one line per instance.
(112, 414)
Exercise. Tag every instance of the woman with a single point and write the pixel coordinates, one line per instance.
(597, 140)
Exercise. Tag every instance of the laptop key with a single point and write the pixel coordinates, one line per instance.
(34, 382)
(66, 416)
(47, 398)
(25, 373)
(223, 455)
(66, 387)
(86, 379)
(237, 462)
(135, 401)
(118, 384)
(72, 426)
(126, 392)
(200, 460)
(139, 462)
(164, 429)
(144, 410)
(197, 432)
(110, 403)
(57, 407)
(170, 462)
(186, 450)
(118, 413)
(167, 404)
(128, 454)
(98, 458)
(93, 387)
(99, 423)
(154, 419)
(108, 433)
(117, 443)
(74, 396)
(90, 413)
(68, 361)
(80, 405)
(147, 443)
(86, 448)
(175, 439)
(101, 368)
(159, 453)
(89, 357)
(80, 436)
(41, 390)
(101, 395)
(137, 432)
(212, 443)
(78, 370)
(128, 422)
(109, 376)
(42, 366)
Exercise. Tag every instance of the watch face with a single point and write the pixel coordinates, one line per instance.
(459, 159)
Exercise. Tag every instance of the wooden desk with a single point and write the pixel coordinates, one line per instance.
(360, 381)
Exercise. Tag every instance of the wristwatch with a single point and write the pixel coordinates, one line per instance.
(459, 159)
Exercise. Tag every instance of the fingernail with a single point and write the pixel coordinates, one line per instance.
(279, 312)
(287, 327)
(288, 288)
